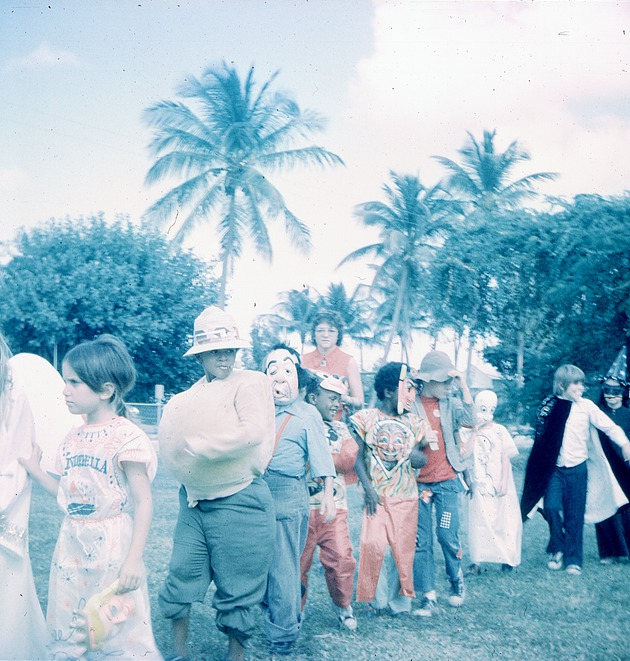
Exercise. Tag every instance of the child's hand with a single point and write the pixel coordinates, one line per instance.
(130, 576)
(328, 509)
(31, 464)
(625, 452)
(371, 501)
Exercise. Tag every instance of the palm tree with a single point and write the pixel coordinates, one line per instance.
(296, 309)
(482, 179)
(222, 151)
(411, 224)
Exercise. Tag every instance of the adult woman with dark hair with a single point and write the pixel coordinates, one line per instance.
(327, 334)
(613, 534)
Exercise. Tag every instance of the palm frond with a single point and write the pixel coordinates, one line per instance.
(177, 198)
(303, 156)
(180, 163)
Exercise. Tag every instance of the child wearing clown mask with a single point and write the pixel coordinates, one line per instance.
(494, 522)
(301, 443)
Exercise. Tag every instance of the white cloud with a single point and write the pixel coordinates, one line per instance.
(554, 75)
(43, 57)
(11, 179)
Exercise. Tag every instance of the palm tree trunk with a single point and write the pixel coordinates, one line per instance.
(223, 284)
(396, 316)
(520, 377)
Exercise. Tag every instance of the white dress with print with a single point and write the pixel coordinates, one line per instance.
(93, 541)
(494, 522)
(22, 626)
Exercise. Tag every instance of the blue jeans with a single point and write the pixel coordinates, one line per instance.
(564, 506)
(282, 602)
(445, 500)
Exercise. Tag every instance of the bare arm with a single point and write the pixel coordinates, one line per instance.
(131, 571)
(32, 466)
(371, 497)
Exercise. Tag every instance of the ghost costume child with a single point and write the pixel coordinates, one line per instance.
(301, 443)
(494, 516)
(22, 625)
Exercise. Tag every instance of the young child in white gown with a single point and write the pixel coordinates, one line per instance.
(494, 516)
(22, 626)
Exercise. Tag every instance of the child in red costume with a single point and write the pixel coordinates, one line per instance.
(325, 392)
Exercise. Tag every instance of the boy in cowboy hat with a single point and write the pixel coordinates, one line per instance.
(217, 438)
(439, 484)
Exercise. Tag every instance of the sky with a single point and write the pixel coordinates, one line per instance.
(400, 81)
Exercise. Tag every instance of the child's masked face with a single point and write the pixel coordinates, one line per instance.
(280, 368)
(485, 405)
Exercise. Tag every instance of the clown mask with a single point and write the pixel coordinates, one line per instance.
(485, 405)
(391, 440)
(280, 367)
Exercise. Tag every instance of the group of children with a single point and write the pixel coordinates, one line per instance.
(264, 465)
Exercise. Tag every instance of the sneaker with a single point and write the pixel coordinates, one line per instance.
(427, 607)
(506, 569)
(574, 570)
(458, 594)
(607, 561)
(555, 561)
(347, 619)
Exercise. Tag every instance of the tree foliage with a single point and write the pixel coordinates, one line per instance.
(483, 177)
(71, 280)
(223, 145)
(412, 223)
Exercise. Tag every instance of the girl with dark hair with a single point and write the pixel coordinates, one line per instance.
(98, 597)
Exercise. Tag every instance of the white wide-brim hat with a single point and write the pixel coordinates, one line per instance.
(215, 329)
(435, 366)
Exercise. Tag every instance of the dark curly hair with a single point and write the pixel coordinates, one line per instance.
(387, 379)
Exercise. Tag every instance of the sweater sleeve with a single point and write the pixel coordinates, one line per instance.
(18, 442)
(602, 422)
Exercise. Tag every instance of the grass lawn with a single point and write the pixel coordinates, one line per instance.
(530, 614)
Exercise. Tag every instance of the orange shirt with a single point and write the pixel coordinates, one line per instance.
(438, 467)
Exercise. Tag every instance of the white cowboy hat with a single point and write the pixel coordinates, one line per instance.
(215, 329)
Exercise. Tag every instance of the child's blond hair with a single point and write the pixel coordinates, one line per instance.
(566, 375)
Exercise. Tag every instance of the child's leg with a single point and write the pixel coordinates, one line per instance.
(553, 511)
(282, 602)
(423, 566)
(574, 504)
(306, 560)
(401, 534)
(446, 499)
(335, 554)
(372, 552)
